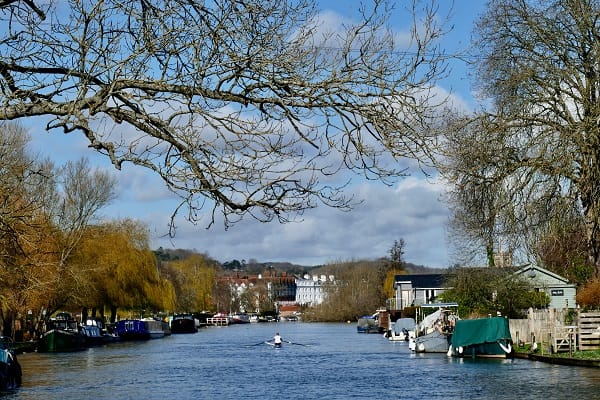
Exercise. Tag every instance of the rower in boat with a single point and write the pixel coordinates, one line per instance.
(277, 340)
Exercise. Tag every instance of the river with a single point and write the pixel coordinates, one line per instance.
(325, 361)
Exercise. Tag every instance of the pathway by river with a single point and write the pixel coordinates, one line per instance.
(327, 361)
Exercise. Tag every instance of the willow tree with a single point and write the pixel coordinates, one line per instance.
(119, 271)
(244, 107)
(193, 280)
(539, 64)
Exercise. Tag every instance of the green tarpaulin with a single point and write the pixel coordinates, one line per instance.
(470, 332)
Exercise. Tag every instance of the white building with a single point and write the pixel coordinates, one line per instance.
(310, 289)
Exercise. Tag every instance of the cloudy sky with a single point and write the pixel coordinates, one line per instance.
(412, 209)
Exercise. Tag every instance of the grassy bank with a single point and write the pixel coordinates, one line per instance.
(543, 350)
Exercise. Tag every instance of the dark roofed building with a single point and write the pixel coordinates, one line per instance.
(415, 290)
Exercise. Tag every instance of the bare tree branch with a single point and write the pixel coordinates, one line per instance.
(244, 106)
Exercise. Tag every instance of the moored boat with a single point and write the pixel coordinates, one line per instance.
(184, 323)
(402, 330)
(92, 333)
(434, 331)
(240, 319)
(10, 369)
(483, 337)
(369, 324)
(139, 329)
(61, 335)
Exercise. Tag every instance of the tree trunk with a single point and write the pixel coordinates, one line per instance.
(113, 314)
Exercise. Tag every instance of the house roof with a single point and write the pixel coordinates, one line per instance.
(423, 280)
(540, 274)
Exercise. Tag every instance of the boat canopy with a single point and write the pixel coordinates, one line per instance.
(366, 321)
(439, 305)
(430, 320)
(470, 332)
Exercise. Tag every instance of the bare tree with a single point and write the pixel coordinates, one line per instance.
(478, 203)
(243, 106)
(397, 253)
(539, 63)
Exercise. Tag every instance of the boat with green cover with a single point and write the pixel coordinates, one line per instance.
(483, 337)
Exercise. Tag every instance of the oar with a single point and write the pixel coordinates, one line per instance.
(257, 344)
(297, 344)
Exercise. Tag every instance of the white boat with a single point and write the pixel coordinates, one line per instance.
(434, 333)
(402, 330)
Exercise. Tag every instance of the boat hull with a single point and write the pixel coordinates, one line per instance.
(483, 350)
(435, 342)
(135, 329)
(369, 324)
(10, 369)
(183, 325)
(240, 319)
(58, 340)
(92, 335)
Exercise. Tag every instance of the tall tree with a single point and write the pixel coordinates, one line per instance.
(480, 209)
(119, 271)
(193, 279)
(80, 192)
(27, 238)
(396, 267)
(539, 63)
(252, 105)
(357, 290)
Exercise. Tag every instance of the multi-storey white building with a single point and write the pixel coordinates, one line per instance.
(310, 289)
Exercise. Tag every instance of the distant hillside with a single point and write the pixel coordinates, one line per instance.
(253, 267)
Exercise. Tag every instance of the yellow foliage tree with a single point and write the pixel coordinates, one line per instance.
(194, 281)
(121, 269)
(390, 279)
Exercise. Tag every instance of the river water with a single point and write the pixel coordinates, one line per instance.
(326, 361)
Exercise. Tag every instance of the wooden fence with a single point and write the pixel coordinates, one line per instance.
(549, 329)
(588, 328)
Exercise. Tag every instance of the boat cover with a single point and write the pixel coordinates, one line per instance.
(478, 331)
(429, 320)
(403, 323)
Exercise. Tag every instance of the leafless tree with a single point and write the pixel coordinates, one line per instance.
(539, 63)
(242, 106)
(480, 208)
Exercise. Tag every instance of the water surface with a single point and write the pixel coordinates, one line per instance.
(328, 361)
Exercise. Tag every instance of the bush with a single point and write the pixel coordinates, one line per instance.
(589, 294)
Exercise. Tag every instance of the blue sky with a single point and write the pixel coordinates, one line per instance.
(412, 209)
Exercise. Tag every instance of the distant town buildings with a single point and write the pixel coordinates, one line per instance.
(310, 289)
(283, 289)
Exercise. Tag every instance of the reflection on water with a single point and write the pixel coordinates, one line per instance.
(329, 361)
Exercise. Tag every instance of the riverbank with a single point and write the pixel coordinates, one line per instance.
(560, 360)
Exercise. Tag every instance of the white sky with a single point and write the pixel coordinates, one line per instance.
(411, 210)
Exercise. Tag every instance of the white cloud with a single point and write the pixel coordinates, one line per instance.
(411, 211)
